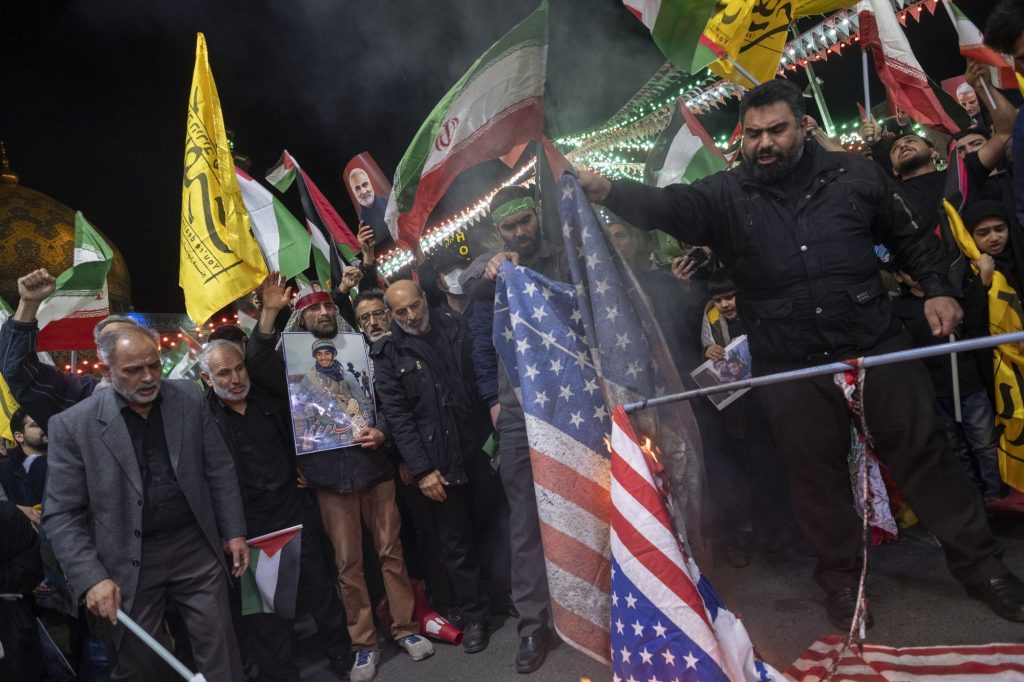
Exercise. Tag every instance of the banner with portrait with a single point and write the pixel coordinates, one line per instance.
(734, 365)
(369, 189)
(330, 390)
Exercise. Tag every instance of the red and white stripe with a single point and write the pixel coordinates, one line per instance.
(876, 663)
(574, 506)
(647, 549)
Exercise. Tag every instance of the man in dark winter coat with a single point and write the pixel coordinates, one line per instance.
(424, 380)
(798, 226)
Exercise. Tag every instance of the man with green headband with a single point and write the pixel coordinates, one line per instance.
(515, 215)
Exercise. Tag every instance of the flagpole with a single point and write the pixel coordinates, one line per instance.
(158, 648)
(988, 93)
(835, 368)
(743, 72)
(867, 89)
(819, 99)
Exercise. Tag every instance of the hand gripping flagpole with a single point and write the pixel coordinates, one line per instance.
(158, 648)
(835, 368)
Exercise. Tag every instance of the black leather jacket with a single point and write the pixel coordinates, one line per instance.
(807, 273)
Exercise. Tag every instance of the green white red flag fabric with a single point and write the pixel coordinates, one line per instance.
(683, 153)
(329, 232)
(68, 315)
(179, 357)
(972, 47)
(271, 583)
(283, 240)
(677, 27)
(496, 105)
(906, 83)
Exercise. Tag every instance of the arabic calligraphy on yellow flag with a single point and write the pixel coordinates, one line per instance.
(220, 259)
(753, 34)
(1004, 315)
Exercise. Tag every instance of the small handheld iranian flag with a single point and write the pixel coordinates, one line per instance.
(972, 47)
(283, 240)
(496, 105)
(271, 583)
(68, 315)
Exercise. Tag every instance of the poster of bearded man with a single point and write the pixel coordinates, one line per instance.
(329, 390)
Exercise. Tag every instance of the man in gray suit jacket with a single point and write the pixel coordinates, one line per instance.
(141, 500)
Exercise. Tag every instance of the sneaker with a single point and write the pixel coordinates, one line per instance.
(365, 667)
(417, 647)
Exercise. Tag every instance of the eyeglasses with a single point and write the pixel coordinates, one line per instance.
(375, 314)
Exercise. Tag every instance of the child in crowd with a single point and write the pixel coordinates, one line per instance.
(748, 491)
(973, 438)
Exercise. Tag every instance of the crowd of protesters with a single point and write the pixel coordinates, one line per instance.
(138, 493)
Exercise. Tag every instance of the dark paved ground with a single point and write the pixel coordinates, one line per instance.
(914, 599)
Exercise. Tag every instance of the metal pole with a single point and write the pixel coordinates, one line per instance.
(835, 368)
(867, 88)
(158, 648)
(955, 369)
(743, 72)
(819, 99)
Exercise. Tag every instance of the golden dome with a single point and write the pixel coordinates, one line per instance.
(39, 232)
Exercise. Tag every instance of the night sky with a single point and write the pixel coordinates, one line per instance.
(93, 93)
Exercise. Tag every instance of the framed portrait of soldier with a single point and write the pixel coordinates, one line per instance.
(329, 390)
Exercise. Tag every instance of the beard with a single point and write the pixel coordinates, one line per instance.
(423, 328)
(373, 335)
(226, 395)
(39, 445)
(784, 164)
(911, 163)
(324, 329)
(135, 395)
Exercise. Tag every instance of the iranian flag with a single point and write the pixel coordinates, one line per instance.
(496, 105)
(271, 583)
(906, 83)
(683, 153)
(68, 315)
(972, 47)
(283, 240)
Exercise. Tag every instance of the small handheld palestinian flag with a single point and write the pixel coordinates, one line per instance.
(271, 583)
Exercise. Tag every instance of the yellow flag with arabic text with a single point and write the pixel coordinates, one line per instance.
(220, 259)
(753, 34)
(1004, 315)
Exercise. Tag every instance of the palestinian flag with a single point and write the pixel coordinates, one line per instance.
(906, 83)
(683, 153)
(179, 357)
(496, 105)
(272, 582)
(329, 232)
(678, 28)
(68, 315)
(283, 240)
(972, 47)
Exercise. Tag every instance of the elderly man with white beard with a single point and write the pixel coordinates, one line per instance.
(255, 426)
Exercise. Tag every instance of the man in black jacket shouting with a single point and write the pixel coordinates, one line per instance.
(424, 380)
(798, 225)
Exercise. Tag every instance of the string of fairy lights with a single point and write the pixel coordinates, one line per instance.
(396, 259)
(612, 148)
